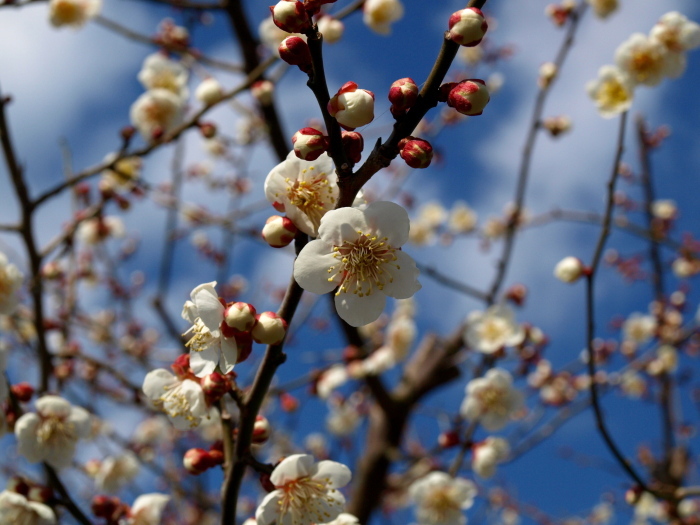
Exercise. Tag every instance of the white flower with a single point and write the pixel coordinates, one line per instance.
(493, 329)
(181, 399)
(351, 106)
(125, 173)
(462, 218)
(400, 335)
(639, 328)
(304, 190)
(603, 8)
(73, 12)
(156, 111)
(358, 251)
(306, 492)
(330, 379)
(51, 435)
(664, 209)
(643, 59)
(208, 345)
(488, 454)
(677, 34)
(10, 282)
(15, 509)
(331, 29)
(344, 519)
(612, 92)
(160, 72)
(569, 269)
(147, 510)
(117, 471)
(343, 418)
(491, 399)
(94, 231)
(380, 14)
(209, 91)
(440, 499)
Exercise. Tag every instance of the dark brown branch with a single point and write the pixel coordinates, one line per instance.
(66, 499)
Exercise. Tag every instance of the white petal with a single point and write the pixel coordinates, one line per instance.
(53, 406)
(149, 507)
(189, 312)
(25, 431)
(81, 419)
(359, 311)
(268, 510)
(276, 188)
(193, 393)
(388, 219)
(301, 220)
(44, 512)
(292, 467)
(338, 226)
(312, 265)
(204, 363)
(209, 308)
(229, 354)
(405, 281)
(59, 455)
(156, 381)
(337, 474)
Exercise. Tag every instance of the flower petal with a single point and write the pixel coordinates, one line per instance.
(268, 510)
(155, 383)
(292, 467)
(209, 308)
(341, 225)
(359, 311)
(229, 354)
(336, 474)
(388, 219)
(204, 363)
(25, 431)
(312, 265)
(405, 278)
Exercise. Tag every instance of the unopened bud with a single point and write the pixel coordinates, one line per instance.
(107, 507)
(197, 460)
(279, 231)
(18, 485)
(352, 107)
(548, 72)
(23, 392)
(294, 51)
(215, 386)
(469, 97)
(216, 457)
(517, 294)
(290, 16)
(270, 330)
(208, 130)
(261, 430)
(416, 152)
(331, 28)
(244, 341)
(262, 90)
(209, 91)
(402, 95)
(467, 27)
(569, 269)
(309, 143)
(288, 402)
(448, 439)
(240, 316)
(353, 144)
(557, 125)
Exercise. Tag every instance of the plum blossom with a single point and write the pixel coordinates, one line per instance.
(208, 345)
(639, 327)
(160, 72)
(116, 471)
(52, 433)
(440, 499)
(305, 492)
(380, 14)
(94, 231)
(16, 509)
(304, 190)
(612, 92)
(146, 510)
(645, 60)
(677, 34)
(358, 251)
(156, 111)
(491, 399)
(73, 12)
(493, 329)
(10, 282)
(487, 454)
(603, 8)
(344, 519)
(124, 175)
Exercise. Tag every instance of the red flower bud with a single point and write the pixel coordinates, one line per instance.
(290, 16)
(279, 231)
(270, 329)
(261, 430)
(353, 144)
(469, 97)
(402, 95)
(23, 392)
(214, 386)
(197, 460)
(294, 51)
(309, 143)
(467, 27)
(416, 152)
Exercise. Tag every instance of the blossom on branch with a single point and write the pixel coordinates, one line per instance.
(73, 12)
(160, 72)
(352, 107)
(440, 499)
(10, 282)
(17, 509)
(156, 112)
(147, 509)
(645, 60)
(612, 92)
(493, 329)
(358, 251)
(491, 399)
(380, 14)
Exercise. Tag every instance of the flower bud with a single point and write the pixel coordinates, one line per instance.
(215, 386)
(469, 97)
(548, 72)
(197, 460)
(353, 144)
(294, 51)
(207, 129)
(569, 269)
(309, 143)
(108, 508)
(288, 402)
(352, 107)
(557, 125)
(517, 294)
(402, 95)
(448, 439)
(23, 392)
(19, 485)
(209, 91)
(290, 16)
(261, 430)
(41, 494)
(181, 366)
(270, 330)
(467, 27)
(416, 152)
(331, 28)
(279, 231)
(240, 316)
(262, 91)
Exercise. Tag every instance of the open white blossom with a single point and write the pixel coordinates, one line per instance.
(181, 399)
(440, 499)
(603, 8)
(208, 345)
(304, 190)
(491, 399)
(344, 519)
(160, 72)
(330, 379)
(343, 418)
(493, 329)
(156, 111)
(52, 433)
(123, 176)
(488, 454)
(612, 92)
(462, 218)
(306, 492)
(94, 231)
(10, 283)
(639, 328)
(677, 34)
(15, 509)
(380, 14)
(73, 12)
(147, 510)
(645, 60)
(358, 251)
(117, 471)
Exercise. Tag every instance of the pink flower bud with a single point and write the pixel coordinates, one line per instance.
(445, 89)
(467, 27)
(353, 144)
(23, 392)
(352, 107)
(215, 386)
(240, 316)
(448, 439)
(108, 508)
(309, 143)
(181, 366)
(288, 402)
(18, 485)
(293, 50)
(207, 129)
(517, 294)
(469, 97)
(245, 346)
(402, 95)
(262, 91)
(290, 16)
(278, 231)
(270, 330)
(261, 430)
(416, 152)
(216, 457)
(197, 460)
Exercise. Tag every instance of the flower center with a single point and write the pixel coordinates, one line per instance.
(201, 338)
(176, 404)
(440, 504)
(54, 431)
(68, 11)
(166, 80)
(308, 196)
(612, 93)
(492, 400)
(493, 330)
(307, 500)
(363, 264)
(383, 14)
(646, 63)
(157, 113)
(5, 283)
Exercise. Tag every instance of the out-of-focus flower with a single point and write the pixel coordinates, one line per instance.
(94, 231)
(123, 175)
(677, 34)
(352, 107)
(160, 72)
(440, 499)
(487, 454)
(462, 218)
(603, 8)
(271, 35)
(639, 328)
(344, 519)
(380, 14)
(147, 509)
(358, 251)
(73, 12)
(10, 283)
(331, 28)
(304, 190)
(557, 125)
(491, 399)
(15, 509)
(209, 91)
(493, 329)
(612, 92)
(305, 492)
(155, 112)
(645, 60)
(343, 418)
(664, 209)
(52, 433)
(569, 269)
(330, 379)
(117, 471)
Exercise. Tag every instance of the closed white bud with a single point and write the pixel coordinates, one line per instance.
(240, 316)
(569, 269)
(279, 231)
(331, 28)
(270, 329)
(209, 91)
